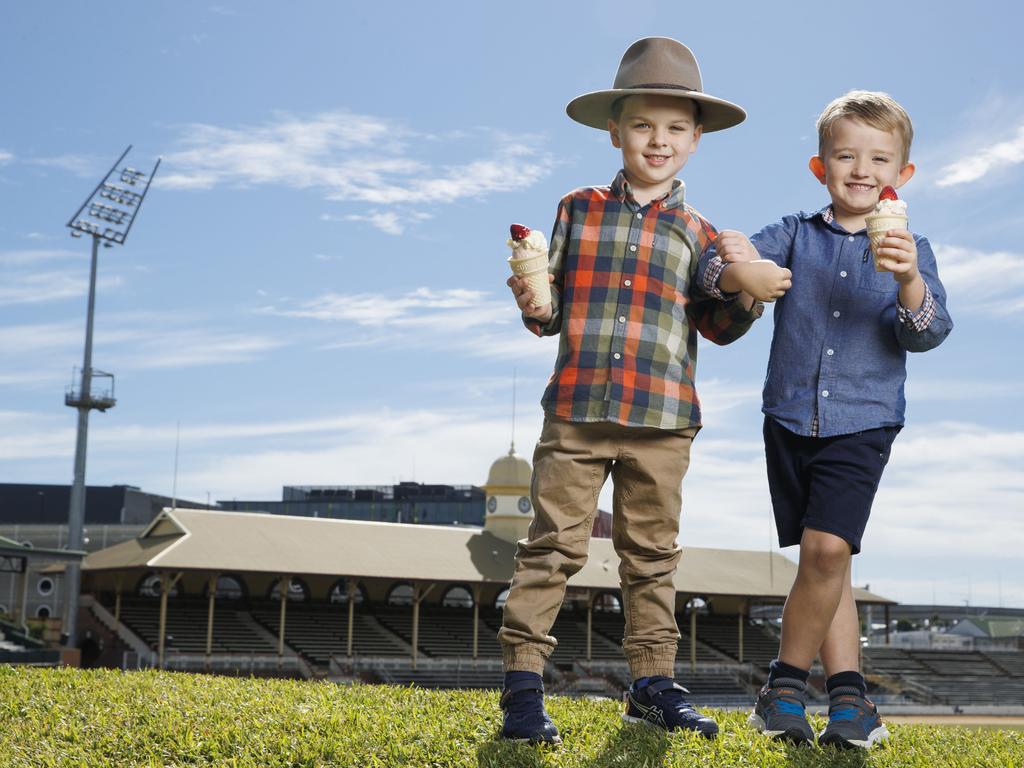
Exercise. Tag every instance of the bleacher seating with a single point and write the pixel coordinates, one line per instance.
(951, 677)
(186, 627)
(321, 631)
(760, 646)
(443, 632)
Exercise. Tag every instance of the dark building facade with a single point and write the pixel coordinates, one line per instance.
(40, 504)
(406, 502)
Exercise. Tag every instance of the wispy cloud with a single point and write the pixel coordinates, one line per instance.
(374, 309)
(25, 283)
(5, 157)
(79, 165)
(354, 159)
(987, 282)
(992, 158)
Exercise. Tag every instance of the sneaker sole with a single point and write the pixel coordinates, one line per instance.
(877, 736)
(791, 735)
(663, 729)
(556, 740)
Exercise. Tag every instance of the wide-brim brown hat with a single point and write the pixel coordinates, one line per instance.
(659, 66)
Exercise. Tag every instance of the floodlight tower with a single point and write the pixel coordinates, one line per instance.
(106, 215)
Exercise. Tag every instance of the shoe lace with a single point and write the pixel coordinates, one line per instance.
(525, 703)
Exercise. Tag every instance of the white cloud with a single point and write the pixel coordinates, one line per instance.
(993, 158)
(353, 159)
(80, 165)
(989, 282)
(377, 309)
(51, 286)
(5, 157)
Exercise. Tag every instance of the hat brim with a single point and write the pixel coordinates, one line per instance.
(595, 109)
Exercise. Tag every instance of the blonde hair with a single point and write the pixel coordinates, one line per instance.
(874, 108)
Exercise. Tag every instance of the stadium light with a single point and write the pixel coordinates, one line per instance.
(108, 222)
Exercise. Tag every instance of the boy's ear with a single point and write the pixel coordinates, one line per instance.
(817, 166)
(613, 131)
(905, 173)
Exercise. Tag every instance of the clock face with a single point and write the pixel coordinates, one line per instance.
(524, 504)
(492, 504)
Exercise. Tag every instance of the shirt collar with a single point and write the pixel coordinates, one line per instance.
(827, 216)
(671, 199)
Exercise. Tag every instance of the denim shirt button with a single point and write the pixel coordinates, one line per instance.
(824, 393)
(836, 313)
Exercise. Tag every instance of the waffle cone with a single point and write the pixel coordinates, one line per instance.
(534, 268)
(877, 225)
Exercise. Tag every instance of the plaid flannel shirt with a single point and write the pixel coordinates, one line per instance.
(627, 307)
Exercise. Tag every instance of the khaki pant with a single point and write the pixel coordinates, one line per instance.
(571, 463)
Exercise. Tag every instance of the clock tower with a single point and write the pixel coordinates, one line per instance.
(509, 510)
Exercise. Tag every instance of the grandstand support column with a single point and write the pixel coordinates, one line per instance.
(887, 640)
(740, 621)
(284, 588)
(212, 592)
(418, 594)
(351, 613)
(693, 638)
(590, 625)
(167, 583)
(22, 590)
(117, 603)
(477, 590)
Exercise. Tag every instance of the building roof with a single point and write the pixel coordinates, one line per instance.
(12, 548)
(200, 540)
(994, 628)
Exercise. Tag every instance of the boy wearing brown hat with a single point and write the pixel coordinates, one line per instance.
(621, 400)
(833, 396)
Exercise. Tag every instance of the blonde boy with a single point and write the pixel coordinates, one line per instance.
(833, 398)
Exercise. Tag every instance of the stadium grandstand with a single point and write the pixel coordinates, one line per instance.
(377, 601)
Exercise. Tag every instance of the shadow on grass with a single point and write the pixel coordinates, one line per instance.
(638, 746)
(499, 753)
(827, 757)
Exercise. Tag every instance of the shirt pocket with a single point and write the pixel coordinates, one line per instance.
(876, 282)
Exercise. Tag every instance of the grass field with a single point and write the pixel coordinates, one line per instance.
(68, 717)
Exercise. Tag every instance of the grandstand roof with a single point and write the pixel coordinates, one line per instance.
(12, 548)
(200, 540)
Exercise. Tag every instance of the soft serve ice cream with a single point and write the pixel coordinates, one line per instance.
(529, 260)
(890, 213)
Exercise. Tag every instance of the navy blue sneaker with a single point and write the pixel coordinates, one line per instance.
(853, 721)
(660, 702)
(781, 712)
(525, 720)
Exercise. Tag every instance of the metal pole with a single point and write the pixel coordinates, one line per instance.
(351, 614)
(285, 586)
(212, 589)
(693, 639)
(76, 514)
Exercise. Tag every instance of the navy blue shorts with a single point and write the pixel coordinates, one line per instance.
(824, 483)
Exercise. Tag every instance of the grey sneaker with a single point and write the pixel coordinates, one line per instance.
(853, 721)
(781, 712)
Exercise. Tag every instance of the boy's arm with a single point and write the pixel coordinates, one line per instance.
(537, 319)
(719, 321)
(924, 327)
(722, 257)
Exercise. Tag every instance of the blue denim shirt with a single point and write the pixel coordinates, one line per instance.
(839, 350)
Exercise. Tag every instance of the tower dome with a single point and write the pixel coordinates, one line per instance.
(511, 470)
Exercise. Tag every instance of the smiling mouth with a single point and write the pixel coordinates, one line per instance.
(860, 187)
(657, 159)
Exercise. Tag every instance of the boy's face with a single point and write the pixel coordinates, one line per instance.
(858, 162)
(656, 134)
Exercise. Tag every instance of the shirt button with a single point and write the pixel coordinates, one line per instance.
(627, 283)
(824, 393)
(843, 273)
(828, 352)
(617, 356)
(836, 313)
(632, 247)
(622, 318)
(639, 215)
(850, 238)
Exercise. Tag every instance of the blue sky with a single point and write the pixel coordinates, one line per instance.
(314, 290)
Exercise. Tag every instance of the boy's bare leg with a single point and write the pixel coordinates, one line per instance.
(815, 596)
(841, 650)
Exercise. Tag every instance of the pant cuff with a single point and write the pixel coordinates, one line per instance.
(648, 663)
(523, 659)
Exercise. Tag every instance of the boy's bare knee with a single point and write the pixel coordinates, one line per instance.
(824, 554)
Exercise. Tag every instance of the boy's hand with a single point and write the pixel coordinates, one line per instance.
(521, 290)
(734, 246)
(763, 279)
(897, 253)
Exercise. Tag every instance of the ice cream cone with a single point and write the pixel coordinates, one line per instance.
(877, 225)
(535, 269)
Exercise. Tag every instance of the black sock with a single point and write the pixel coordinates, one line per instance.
(847, 680)
(779, 669)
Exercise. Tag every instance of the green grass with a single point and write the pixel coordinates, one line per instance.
(68, 717)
